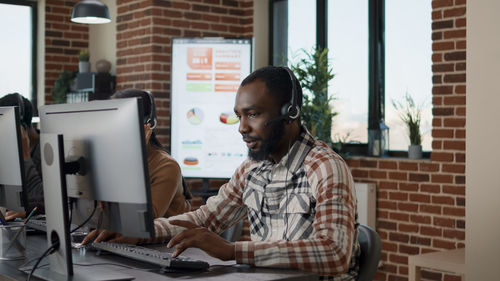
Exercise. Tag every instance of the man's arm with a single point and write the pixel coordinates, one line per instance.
(328, 250)
(218, 214)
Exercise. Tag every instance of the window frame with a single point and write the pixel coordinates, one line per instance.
(33, 4)
(376, 69)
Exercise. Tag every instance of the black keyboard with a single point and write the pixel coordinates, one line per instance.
(152, 256)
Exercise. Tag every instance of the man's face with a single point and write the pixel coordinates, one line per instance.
(255, 107)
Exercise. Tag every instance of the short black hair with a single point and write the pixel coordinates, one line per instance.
(278, 83)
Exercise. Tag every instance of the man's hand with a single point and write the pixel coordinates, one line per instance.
(202, 238)
(99, 235)
(11, 215)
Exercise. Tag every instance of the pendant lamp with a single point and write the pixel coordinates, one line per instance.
(90, 12)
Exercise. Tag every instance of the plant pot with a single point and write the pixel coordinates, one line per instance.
(83, 66)
(415, 151)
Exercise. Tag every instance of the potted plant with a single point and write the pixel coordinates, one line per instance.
(314, 73)
(83, 61)
(411, 115)
(62, 86)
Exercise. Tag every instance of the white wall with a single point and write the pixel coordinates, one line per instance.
(261, 33)
(483, 139)
(102, 39)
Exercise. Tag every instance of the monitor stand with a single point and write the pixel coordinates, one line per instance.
(54, 171)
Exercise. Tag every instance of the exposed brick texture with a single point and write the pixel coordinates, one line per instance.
(63, 41)
(421, 203)
(144, 33)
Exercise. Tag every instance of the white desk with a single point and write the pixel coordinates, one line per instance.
(449, 261)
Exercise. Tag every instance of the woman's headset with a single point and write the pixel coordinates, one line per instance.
(151, 119)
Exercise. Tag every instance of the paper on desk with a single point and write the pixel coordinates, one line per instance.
(197, 254)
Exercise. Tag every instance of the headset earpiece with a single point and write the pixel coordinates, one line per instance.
(21, 109)
(291, 110)
(151, 120)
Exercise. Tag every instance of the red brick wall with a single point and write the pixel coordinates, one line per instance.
(421, 204)
(144, 32)
(63, 42)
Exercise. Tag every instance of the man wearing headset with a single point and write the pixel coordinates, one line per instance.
(297, 192)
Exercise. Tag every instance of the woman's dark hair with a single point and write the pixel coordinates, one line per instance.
(28, 112)
(16, 99)
(149, 109)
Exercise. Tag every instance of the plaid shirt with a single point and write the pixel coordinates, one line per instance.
(302, 212)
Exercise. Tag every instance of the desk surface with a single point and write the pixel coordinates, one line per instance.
(219, 270)
(451, 260)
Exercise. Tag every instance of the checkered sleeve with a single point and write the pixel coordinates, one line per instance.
(218, 214)
(328, 250)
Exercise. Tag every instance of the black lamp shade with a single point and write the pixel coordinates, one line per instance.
(90, 12)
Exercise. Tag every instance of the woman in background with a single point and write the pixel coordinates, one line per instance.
(169, 194)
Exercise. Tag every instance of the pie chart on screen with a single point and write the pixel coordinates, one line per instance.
(195, 116)
(191, 161)
(228, 118)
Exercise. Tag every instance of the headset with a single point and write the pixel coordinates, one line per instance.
(151, 119)
(290, 111)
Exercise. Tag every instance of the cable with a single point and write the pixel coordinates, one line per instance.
(286, 188)
(47, 252)
(120, 265)
(108, 263)
(87, 220)
(70, 203)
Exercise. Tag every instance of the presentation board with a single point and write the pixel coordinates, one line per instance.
(206, 73)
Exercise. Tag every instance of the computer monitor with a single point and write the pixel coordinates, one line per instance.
(107, 139)
(12, 177)
(94, 151)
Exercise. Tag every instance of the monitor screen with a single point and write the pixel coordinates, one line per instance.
(11, 160)
(206, 73)
(106, 139)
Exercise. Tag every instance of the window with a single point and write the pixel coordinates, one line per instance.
(348, 53)
(18, 51)
(408, 66)
(379, 50)
(294, 30)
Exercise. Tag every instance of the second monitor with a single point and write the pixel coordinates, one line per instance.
(105, 140)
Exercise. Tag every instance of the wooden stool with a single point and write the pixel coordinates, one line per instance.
(450, 261)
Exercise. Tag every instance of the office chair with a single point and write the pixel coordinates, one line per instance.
(371, 248)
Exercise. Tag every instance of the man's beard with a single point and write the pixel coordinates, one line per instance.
(269, 144)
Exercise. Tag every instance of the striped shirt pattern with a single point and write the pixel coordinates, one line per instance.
(302, 212)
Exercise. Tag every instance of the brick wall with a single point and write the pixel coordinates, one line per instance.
(63, 42)
(421, 204)
(144, 32)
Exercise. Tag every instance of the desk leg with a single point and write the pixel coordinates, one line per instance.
(413, 272)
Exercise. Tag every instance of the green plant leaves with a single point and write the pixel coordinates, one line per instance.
(62, 86)
(314, 72)
(411, 115)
